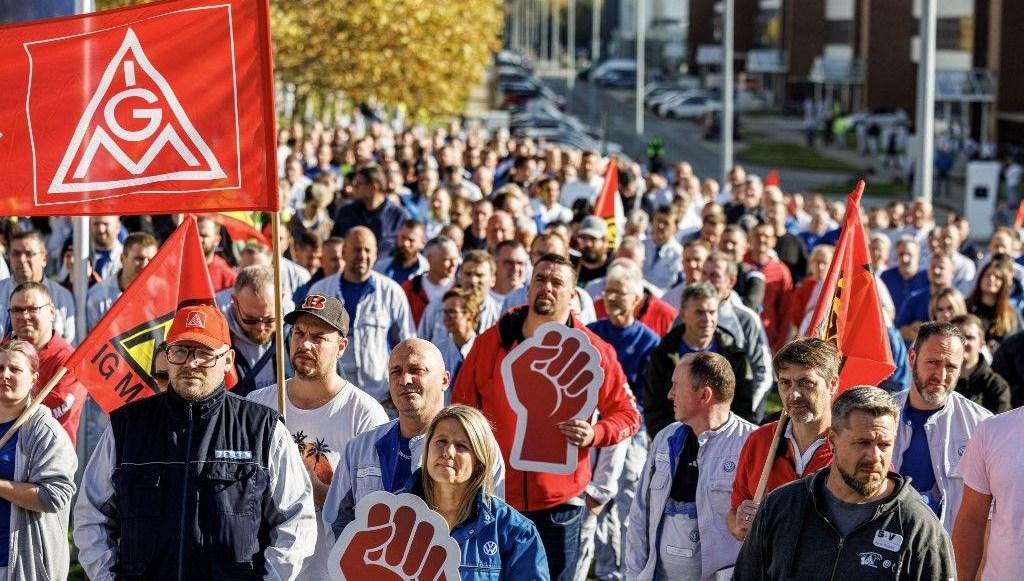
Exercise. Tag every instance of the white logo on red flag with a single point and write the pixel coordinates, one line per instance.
(131, 91)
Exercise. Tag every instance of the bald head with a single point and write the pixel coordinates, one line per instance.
(359, 253)
(417, 380)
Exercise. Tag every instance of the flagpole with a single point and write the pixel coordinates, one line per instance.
(275, 228)
(780, 429)
(35, 403)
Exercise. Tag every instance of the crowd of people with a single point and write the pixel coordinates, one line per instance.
(414, 263)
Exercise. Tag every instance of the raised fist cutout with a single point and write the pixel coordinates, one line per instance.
(395, 538)
(550, 378)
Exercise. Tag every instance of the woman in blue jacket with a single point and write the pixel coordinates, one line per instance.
(496, 541)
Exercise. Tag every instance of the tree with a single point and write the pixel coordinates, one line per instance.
(423, 53)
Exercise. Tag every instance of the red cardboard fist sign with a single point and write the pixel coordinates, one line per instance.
(550, 378)
(395, 537)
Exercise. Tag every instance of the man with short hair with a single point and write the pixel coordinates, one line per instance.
(906, 276)
(663, 264)
(699, 332)
(978, 382)
(675, 528)
(32, 316)
(935, 422)
(139, 248)
(377, 308)
(513, 265)
(695, 252)
(429, 286)
(106, 248)
(945, 240)
(750, 282)
(252, 325)
(853, 519)
(807, 371)
(551, 501)
(324, 411)
(500, 227)
(476, 275)
(407, 259)
(221, 274)
(914, 310)
(26, 254)
(331, 262)
(195, 482)
(384, 457)
(778, 284)
(371, 208)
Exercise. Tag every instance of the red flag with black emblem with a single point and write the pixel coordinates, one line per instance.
(115, 361)
(164, 107)
(848, 312)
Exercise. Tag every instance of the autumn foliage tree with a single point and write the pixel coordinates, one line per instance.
(424, 54)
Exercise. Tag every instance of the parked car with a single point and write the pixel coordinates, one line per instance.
(619, 79)
(663, 102)
(692, 107)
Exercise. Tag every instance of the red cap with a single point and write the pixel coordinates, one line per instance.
(204, 324)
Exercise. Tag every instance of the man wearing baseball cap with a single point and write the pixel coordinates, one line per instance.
(592, 242)
(324, 411)
(195, 482)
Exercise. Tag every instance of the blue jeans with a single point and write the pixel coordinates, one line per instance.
(559, 528)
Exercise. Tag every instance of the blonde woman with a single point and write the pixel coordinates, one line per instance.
(496, 541)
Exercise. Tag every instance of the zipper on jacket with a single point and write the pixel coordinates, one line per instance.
(839, 551)
(184, 494)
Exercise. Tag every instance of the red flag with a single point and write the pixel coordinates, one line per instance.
(115, 361)
(1018, 219)
(772, 179)
(165, 107)
(848, 312)
(240, 228)
(608, 205)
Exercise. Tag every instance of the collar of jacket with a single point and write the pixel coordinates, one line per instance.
(818, 481)
(510, 326)
(203, 408)
(481, 508)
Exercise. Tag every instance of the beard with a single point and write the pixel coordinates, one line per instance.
(260, 337)
(804, 415)
(935, 399)
(865, 489)
(543, 306)
(591, 255)
(404, 255)
(307, 367)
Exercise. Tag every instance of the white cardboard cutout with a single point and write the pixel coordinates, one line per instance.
(550, 378)
(407, 542)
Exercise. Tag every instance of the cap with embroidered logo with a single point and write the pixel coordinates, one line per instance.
(203, 324)
(328, 309)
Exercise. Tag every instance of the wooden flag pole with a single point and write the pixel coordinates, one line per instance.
(275, 227)
(780, 428)
(36, 402)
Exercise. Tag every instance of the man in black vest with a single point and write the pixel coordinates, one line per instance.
(195, 483)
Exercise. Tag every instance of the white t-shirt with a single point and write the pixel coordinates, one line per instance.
(435, 291)
(992, 464)
(323, 433)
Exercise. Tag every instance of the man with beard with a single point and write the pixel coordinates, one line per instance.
(407, 259)
(592, 241)
(209, 236)
(377, 308)
(853, 519)
(324, 411)
(251, 321)
(195, 482)
(807, 371)
(429, 286)
(475, 275)
(552, 501)
(935, 421)
(699, 332)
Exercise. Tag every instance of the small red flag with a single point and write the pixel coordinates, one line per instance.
(240, 228)
(772, 179)
(165, 107)
(608, 205)
(1018, 220)
(115, 361)
(849, 312)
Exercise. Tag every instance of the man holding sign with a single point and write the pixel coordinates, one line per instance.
(538, 375)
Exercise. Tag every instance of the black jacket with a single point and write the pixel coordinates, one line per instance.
(985, 388)
(792, 539)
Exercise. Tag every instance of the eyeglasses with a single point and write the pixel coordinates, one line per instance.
(19, 254)
(179, 354)
(30, 311)
(255, 320)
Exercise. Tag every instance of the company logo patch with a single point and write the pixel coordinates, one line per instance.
(729, 466)
(232, 454)
(888, 541)
(316, 302)
(490, 548)
(870, 560)
(196, 320)
(694, 536)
